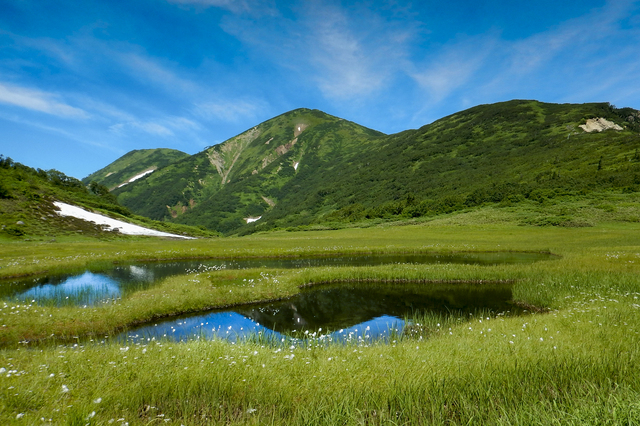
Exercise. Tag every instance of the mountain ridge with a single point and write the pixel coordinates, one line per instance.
(132, 164)
(32, 204)
(306, 166)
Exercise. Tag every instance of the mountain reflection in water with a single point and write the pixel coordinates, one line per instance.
(337, 312)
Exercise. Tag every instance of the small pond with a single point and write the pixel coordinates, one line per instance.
(343, 312)
(103, 284)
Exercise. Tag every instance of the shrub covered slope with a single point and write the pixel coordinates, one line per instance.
(27, 209)
(306, 167)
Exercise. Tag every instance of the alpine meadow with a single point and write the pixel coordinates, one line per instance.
(536, 203)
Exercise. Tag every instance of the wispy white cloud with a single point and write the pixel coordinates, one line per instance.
(164, 127)
(37, 100)
(182, 123)
(583, 59)
(235, 6)
(102, 110)
(584, 37)
(346, 54)
(346, 67)
(31, 124)
(146, 69)
(124, 111)
(89, 58)
(453, 66)
(57, 49)
(580, 56)
(232, 111)
(152, 128)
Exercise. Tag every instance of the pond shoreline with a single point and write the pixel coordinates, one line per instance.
(213, 308)
(310, 254)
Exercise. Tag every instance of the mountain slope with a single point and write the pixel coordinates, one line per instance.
(28, 210)
(307, 167)
(134, 165)
(224, 185)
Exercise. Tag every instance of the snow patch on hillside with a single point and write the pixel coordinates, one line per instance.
(136, 177)
(252, 219)
(111, 224)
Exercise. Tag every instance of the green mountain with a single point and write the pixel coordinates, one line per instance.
(248, 175)
(27, 210)
(132, 165)
(307, 167)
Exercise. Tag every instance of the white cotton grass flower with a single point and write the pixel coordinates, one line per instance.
(65, 389)
(97, 400)
(19, 416)
(3, 370)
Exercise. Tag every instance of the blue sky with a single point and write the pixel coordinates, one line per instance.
(84, 82)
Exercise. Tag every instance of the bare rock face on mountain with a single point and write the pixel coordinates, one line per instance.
(599, 125)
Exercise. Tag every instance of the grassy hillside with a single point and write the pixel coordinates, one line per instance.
(503, 153)
(244, 177)
(133, 164)
(27, 210)
(306, 168)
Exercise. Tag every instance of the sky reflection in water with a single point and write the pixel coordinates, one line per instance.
(95, 286)
(234, 327)
(344, 312)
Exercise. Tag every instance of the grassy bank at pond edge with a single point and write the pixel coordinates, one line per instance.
(576, 364)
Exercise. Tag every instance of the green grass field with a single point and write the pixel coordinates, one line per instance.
(578, 362)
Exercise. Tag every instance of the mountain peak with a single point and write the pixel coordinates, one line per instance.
(305, 166)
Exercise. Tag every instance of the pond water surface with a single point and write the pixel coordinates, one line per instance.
(338, 312)
(103, 284)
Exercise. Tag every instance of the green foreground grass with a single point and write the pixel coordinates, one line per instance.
(577, 363)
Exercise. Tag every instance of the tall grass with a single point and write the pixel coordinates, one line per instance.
(577, 363)
(541, 369)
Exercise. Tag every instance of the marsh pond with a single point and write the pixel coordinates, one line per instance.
(334, 312)
(374, 310)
